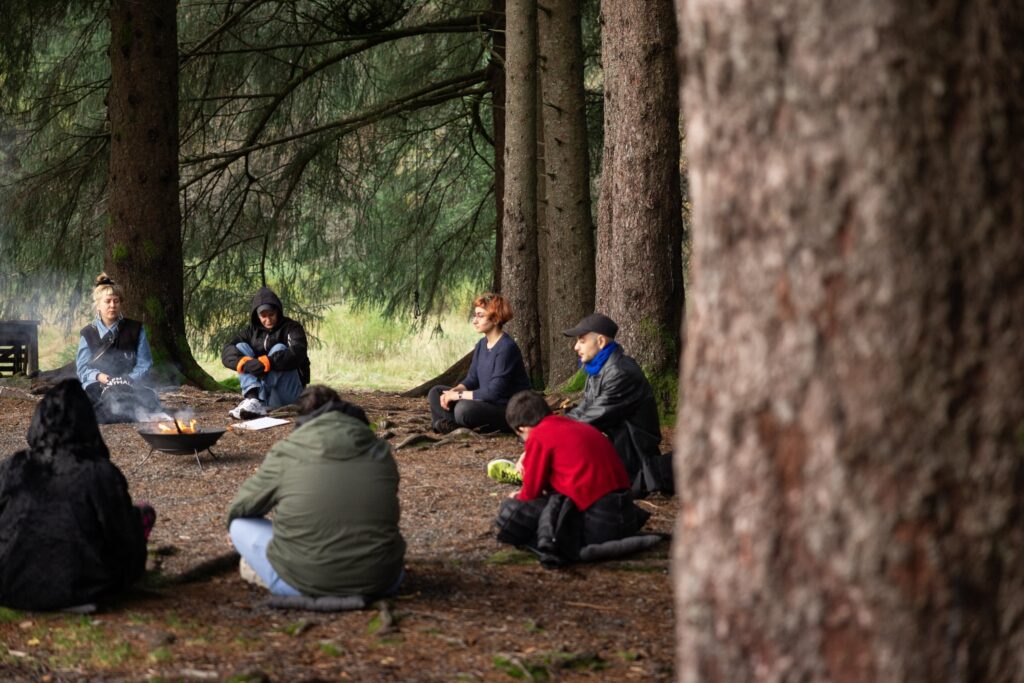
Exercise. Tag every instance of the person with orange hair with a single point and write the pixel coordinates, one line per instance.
(495, 374)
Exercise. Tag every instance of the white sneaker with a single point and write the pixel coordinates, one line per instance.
(249, 574)
(248, 409)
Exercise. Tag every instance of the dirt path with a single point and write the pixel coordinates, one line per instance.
(471, 609)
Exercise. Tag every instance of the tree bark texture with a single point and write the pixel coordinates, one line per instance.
(496, 71)
(543, 233)
(641, 212)
(852, 430)
(142, 245)
(519, 259)
(570, 230)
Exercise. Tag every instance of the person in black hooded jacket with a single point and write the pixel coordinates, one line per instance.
(270, 357)
(69, 534)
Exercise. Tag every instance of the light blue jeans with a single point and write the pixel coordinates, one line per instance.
(251, 536)
(278, 387)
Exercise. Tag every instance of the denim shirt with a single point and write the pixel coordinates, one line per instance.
(87, 375)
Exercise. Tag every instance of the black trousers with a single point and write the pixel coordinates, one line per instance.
(553, 526)
(482, 415)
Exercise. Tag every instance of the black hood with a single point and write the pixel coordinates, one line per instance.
(65, 422)
(265, 295)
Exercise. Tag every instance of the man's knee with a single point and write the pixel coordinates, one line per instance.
(244, 348)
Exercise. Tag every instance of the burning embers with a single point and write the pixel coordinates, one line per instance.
(181, 436)
(179, 426)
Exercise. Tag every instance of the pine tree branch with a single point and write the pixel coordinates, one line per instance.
(435, 93)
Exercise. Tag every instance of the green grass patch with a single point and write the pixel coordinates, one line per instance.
(8, 615)
(231, 384)
(542, 666)
(362, 349)
(331, 649)
(574, 383)
(160, 655)
(297, 628)
(85, 641)
(520, 668)
(511, 557)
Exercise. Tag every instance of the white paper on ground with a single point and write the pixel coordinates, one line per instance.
(260, 423)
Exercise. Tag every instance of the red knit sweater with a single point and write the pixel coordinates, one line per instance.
(571, 458)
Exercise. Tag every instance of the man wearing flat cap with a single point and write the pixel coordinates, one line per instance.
(269, 355)
(618, 400)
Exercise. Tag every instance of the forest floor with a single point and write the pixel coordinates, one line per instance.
(470, 609)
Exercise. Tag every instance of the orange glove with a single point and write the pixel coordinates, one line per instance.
(245, 359)
(266, 363)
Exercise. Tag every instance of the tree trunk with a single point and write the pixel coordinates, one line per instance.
(449, 377)
(604, 279)
(496, 68)
(519, 267)
(640, 183)
(570, 244)
(142, 245)
(543, 236)
(853, 464)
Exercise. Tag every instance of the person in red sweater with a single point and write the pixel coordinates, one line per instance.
(575, 488)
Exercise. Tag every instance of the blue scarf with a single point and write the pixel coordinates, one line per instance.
(594, 365)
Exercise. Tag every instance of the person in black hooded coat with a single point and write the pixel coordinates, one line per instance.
(270, 357)
(69, 534)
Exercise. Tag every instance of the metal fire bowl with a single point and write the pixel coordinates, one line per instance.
(181, 444)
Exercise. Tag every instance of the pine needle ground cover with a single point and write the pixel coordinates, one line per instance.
(471, 609)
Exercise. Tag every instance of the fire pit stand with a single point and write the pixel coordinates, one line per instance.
(181, 443)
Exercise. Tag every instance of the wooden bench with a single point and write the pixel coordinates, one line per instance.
(19, 347)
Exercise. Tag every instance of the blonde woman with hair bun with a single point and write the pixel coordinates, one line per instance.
(113, 358)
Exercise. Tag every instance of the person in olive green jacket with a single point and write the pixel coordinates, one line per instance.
(334, 488)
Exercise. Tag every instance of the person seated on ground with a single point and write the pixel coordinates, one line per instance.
(575, 490)
(334, 488)
(270, 357)
(69, 534)
(618, 400)
(113, 359)
(495, 374)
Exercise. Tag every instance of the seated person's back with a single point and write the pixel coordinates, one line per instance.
(69, 533)
(575, 489)
(334, 488)
(571, 458)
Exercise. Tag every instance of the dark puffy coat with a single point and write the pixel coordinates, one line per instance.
(288, 332)
(68, 531)
(620, 402)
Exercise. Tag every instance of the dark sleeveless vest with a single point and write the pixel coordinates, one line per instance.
(117, 358)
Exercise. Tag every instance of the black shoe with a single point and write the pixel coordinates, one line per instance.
(445, 426)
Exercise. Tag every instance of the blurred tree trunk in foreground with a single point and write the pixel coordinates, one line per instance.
(639, 261)
(569, 258)
(852, 427)
(519, 265)
(142, 243)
